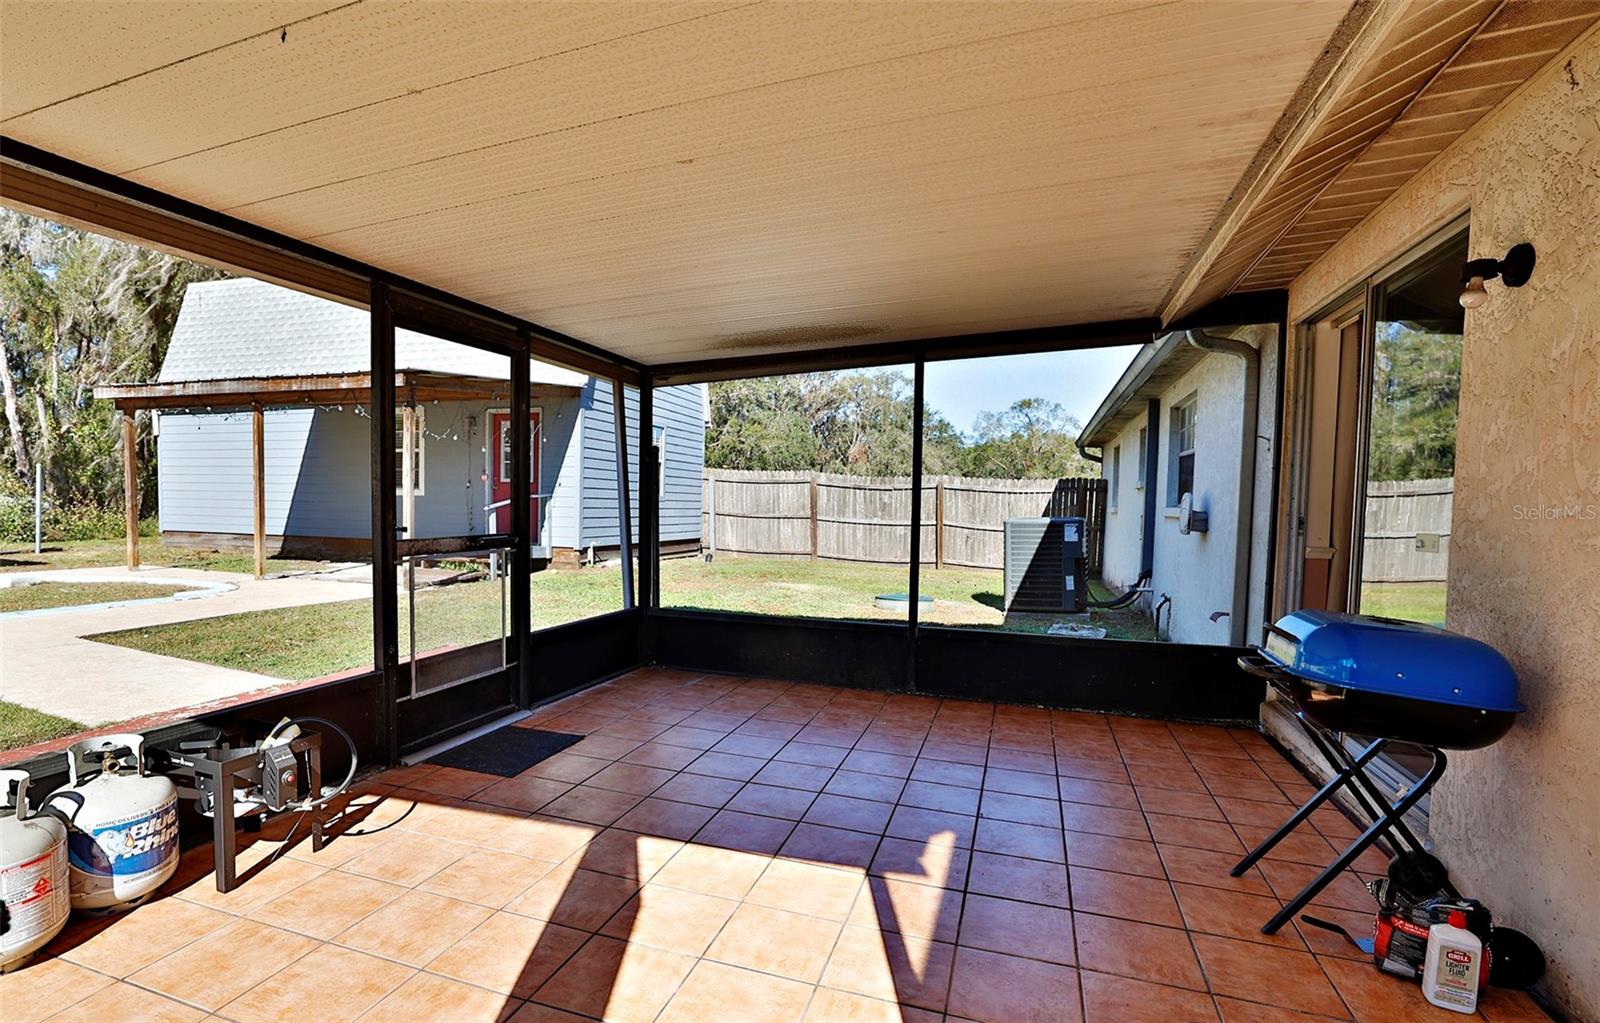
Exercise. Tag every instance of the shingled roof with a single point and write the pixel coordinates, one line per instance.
(245, 329)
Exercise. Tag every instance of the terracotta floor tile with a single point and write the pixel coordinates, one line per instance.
(894, 765)
(805, 777)
(1178, 803)
(1026, 840)
(257, 883)
(1013, 877)
(226, 964)
(1233, 915)
(1093, 769)
(915, 824)
(811, 754)
(1247, 788)
(700, 789)
(849, 813)
(1097, 793)
(940, 862)
(1327, 943)
(508, 953)
(453, 781)
(747, 832)
(1211, 869)
(1500, 1005)
(1021, 783)
(427, 997)
(1195, 833)
(806, 888)
(626, 854)
(1146, 899)
(727, 765)
(326, 905)
(747, 745)
(1377, 997)
(660, 754)
(137, 939)
(1006, 806)
(670, 918)
(615, 980)
(725, 873)
(666, 819)
(829, 1006)
(904, 907)
(772, 801)
(894, 967)
(1237, 1011)
(1157, 776)
(1104, 820)
(573, 897)
(1161, 955)
(590, 805)
(943, 772)
(713, 989)
(1347, 891)
(604, 747)
(1302, 845)
(414, 928)
(406, 859)
(524, 792)
(1017, 928)
(998, 988)
(815, 843)
(1111, 999)
(638, 779)
(775, 941)
(1253, 813)
(1020, 760)
(954, 751)
(1108, 852)
(46, 986)
(339, 982)
(566, 766)
(1249, 970)
(125, 1002)
(547, 838)
(860, 785)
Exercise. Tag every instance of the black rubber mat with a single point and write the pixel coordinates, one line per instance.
(506, 751)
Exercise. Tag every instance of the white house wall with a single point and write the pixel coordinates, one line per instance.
(1124, 525)
(681, 410)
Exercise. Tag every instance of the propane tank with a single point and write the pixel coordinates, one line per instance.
(122, 843)
(33, 875)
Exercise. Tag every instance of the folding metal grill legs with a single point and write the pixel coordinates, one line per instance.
(1348, 771)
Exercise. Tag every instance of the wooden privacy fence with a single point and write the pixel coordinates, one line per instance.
(868, 518)
(1407, 532)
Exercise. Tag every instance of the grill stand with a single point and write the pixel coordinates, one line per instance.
(1348, 771)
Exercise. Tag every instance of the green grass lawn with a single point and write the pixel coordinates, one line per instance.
(41, 595)
(308, 642)
(1412, 602)
(23, 726)
(152, 552)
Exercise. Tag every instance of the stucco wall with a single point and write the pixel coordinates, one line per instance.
(1518, 824)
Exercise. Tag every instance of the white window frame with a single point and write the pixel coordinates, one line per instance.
(1114, 477)
(1189, 407)
(418, 448)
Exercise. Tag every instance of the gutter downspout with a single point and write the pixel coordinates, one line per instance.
(1247, 470)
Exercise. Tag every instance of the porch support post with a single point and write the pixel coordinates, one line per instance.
(914, 576)
(258, 448)
(130, 485)
(521, 520)
(385, 610)
(624, 511)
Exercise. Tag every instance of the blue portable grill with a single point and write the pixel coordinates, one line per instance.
(1390, 680)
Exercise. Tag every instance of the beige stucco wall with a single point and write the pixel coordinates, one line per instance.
(1519, 824)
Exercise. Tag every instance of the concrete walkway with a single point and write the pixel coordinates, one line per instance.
(47, 665)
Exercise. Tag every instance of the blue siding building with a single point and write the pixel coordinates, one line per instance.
(317, 457)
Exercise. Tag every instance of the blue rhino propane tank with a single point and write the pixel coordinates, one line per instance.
(122, 843)
(33, 875)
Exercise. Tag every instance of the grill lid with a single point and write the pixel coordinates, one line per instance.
(1393, 658)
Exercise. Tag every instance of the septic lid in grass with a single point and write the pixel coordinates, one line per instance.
(899, 601)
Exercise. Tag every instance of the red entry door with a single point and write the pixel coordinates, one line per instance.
(500, 473)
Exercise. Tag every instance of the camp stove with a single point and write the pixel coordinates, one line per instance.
(1387, 681)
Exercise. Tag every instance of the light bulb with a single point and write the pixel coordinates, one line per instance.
(1473, 295)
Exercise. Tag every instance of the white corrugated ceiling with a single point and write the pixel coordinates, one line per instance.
(686, 180)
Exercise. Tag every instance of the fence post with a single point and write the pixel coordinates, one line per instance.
(813, 516)
(938, 523)
(711, 512)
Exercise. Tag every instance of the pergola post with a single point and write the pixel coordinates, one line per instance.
(258, 448)
(130, 485)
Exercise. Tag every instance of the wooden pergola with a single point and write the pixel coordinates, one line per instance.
(260, 393)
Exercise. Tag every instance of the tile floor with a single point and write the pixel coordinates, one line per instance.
(736, 849)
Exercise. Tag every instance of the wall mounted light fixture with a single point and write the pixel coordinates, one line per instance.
(1514, 271)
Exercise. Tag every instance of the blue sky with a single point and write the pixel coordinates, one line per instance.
(1077, 380)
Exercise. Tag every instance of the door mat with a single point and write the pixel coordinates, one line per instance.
(506, 751)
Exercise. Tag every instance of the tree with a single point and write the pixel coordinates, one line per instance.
(77, 309)
(1033, 439)
(1416, 390)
